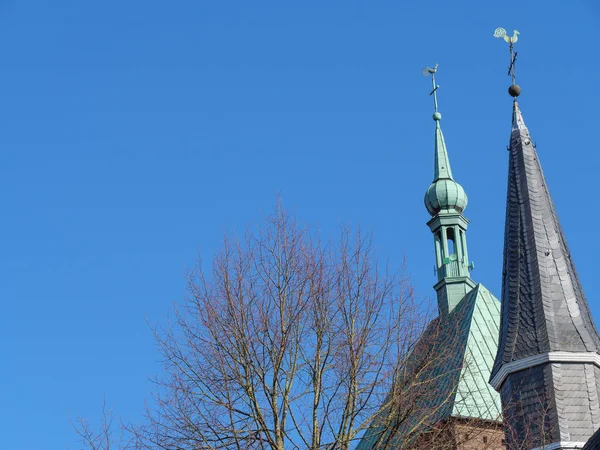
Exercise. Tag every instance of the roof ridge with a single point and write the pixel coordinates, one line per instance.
(481, 356)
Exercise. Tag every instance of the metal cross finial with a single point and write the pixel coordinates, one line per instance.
(501, 33)
(426, 71)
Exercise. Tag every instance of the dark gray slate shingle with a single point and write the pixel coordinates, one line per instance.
(543, 310)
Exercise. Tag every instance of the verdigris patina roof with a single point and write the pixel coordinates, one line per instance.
(475, 397)
(446, 374)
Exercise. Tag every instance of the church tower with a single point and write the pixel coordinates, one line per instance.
(446, 375)
(547, 369)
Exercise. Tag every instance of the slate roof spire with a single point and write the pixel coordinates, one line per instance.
(445, 201)
(547, 368)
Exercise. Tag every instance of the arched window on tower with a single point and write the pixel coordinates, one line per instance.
(438, 249)
(451, 268)
(464, 256)
(451, 244)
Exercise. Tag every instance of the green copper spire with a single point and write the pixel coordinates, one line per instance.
(446, 200)
(441, 168)
(444, 194)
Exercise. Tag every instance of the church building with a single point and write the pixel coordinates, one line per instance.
(538, 348)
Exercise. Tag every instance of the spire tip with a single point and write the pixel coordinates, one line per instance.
(431, 71)
(514, 90)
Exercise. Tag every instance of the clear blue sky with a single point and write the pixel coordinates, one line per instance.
(133, 133)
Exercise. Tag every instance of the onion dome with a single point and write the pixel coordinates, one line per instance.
(445, 195)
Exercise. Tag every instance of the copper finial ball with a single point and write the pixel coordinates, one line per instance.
(514, 90)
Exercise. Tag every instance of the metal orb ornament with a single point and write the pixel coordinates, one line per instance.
(514, 90)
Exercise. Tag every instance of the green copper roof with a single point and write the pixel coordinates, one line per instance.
(454, 357)
(445, 195)
(475, 397)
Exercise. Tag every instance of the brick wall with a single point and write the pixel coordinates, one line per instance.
(460, 434)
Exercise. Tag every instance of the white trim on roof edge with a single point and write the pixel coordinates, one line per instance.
(536, 360)
(563, 445)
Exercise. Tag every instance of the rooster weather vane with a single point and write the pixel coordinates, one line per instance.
(514, 89)
(426, 72)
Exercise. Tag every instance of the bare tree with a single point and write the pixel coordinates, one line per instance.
(534, 404)
(425, 410)
(292, 342)
(289, 343)
(104, 438)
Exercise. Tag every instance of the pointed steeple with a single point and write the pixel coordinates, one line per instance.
(547, 285)
(445, 201)
(445, 195)
(547, 368)
(442, 168)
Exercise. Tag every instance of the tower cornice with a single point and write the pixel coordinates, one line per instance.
(542, 358)
(446, 219)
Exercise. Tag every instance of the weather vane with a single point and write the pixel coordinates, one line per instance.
(426, 72)
(514, 90)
